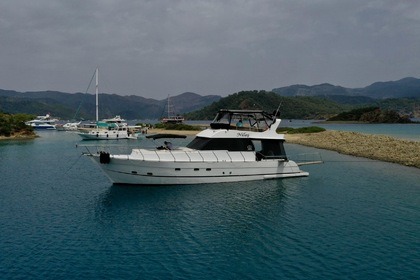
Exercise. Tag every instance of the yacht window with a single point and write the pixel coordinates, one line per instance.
(240, 144)
(272, 149)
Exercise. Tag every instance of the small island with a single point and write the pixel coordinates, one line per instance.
(370, 115)
(12, 126)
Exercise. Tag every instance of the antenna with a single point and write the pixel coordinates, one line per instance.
(278, 109)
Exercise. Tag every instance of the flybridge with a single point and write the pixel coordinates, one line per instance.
(254, 120)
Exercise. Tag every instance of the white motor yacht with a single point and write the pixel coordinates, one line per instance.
(43, 122)
(239, 145)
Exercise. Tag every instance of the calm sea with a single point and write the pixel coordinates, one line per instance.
(60, 218)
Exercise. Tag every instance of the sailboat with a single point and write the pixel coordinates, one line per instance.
(107, 129)
(171, 117)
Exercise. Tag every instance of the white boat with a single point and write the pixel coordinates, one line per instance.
(224, 152)
(43, 122)
(107, 129)
(70, 126)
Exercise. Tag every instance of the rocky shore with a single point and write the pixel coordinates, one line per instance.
(377, 147)
(20, 136)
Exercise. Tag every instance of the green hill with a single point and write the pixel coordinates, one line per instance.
(82, 106)
(290, 107)
(371, 115)
(308, 104)
(12, 125)
(403, 88)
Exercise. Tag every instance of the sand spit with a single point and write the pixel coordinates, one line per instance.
(377, 147)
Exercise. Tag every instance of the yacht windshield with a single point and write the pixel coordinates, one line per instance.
(229, 144)
(256, 120)
(264, 148)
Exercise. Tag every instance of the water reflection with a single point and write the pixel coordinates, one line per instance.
(199, 222)
(195, 203)
(20, 142)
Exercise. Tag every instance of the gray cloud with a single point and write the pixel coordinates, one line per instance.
(161, 47)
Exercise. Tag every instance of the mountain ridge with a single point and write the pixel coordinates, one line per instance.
(82, 105)
(405, 87)
(401, 95)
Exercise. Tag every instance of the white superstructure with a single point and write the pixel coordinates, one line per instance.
(43, 122)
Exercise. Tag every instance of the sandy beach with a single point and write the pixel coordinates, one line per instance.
(178, 132)
(377, 147)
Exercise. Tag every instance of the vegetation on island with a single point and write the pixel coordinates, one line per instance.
(177, 126)
(13, 125)
(289, 107)
(306, 129)
(371, 115)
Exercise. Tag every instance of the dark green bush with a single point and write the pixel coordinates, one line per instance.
(176, 126)
(10, 124)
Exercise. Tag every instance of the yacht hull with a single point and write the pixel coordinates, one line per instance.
(44, 127)
(123, 170)
(104, 135)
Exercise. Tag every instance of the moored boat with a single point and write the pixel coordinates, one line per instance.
(171, 117)
(70, 126)
(240, 145)
(107, 129)
(43, 122)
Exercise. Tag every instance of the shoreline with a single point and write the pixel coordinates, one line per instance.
(168, 131)
(376, 147)
(19, 137)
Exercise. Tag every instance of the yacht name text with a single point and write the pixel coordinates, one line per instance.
(242, 134)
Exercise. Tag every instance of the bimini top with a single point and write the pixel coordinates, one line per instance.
(252, 124)
(256, 120)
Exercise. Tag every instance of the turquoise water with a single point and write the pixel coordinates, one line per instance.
(401, 131)
(61, 218)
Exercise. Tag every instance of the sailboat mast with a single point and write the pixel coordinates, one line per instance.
(97, 93)
(169, 112)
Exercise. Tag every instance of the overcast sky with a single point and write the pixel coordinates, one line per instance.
(156, 48)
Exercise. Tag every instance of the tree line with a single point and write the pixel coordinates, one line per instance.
(14, 123)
